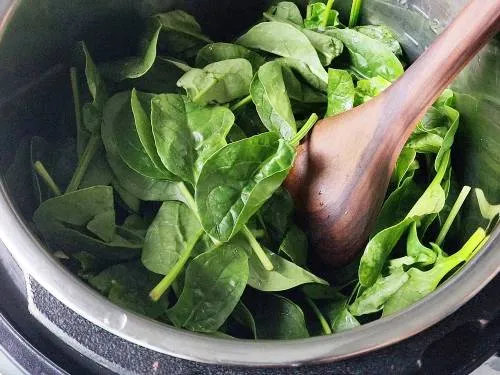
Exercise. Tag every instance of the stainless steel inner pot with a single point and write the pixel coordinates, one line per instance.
(36, 35)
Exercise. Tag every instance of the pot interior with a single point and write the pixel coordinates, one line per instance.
(38, 44)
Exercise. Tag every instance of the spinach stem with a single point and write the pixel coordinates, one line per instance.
(354, 16)
(189, 198)
(479, 247)
(452, 215)
(83, 163)
(471, 246)
(259, 233)
(170, 277)
(324, 324)
(191, 203)
(247, 99)
(76, 97)
(326, 14)
(266, 262)
(304, 130)
(46, 177)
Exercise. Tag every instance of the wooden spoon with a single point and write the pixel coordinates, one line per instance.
(342, 171)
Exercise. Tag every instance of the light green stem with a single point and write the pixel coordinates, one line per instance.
(354, 16)
(73, 74)
(46, 177)
(324, 324)
(83, 163)
(170, 277)
(266, 262)
(453, 214)
(241, 103)
(479, 247)
(294, 142)
(326, 13)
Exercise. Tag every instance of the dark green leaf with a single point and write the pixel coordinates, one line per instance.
(62, 221)
(226, 51)
(369, 56)
(129, 132)
(171, 236)
(135, 66)
(278, 318)
(305, 73)
(219, 82)
(367, 89)
(128, 286)
(187, 134)
(295, 246)
(383, 34)
(271, 100)
(316, 14)
(238, 179)
(214, 284)
(142, 187)
(277, 214)
(243, 316)
(340, 92)
(181, 34)
(287, 11)
(285, 40)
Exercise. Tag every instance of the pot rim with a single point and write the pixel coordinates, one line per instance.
(78, 296)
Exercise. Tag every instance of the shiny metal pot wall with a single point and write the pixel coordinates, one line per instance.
(37, 35)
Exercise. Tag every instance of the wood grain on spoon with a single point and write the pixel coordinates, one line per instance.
(342, 171)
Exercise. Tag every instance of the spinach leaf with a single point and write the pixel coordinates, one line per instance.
(369, 56)
(405, 166)
(226, 51)
(415, 249)
(63, 223)
(268, 92)
(300, 92)
(367, 89)
(326, 46)
(383, 34)
(305, 72)
(238, 179)
(340, 92)
(421, 283)
(380, 246)
(373, 298)
(219, 82)
(161, 78)
(278, 318)
(128, 285)
(317, 12)
(295, 246)
(186, 134)
(170, 238)
(244, 316)
(128, 133)
(140, 186)
(338, 315)
(214, 284)
(398, 204)
(285, 40)
(287, 11)
(277, 213)
(141, 108)
(135, 66)
(181, 34)
(489, 211)
(285, 275)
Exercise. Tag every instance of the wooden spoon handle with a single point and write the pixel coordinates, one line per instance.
(436, 68)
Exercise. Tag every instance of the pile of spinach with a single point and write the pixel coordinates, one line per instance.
(173, 205)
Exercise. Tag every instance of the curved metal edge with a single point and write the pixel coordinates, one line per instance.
(75, 294)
